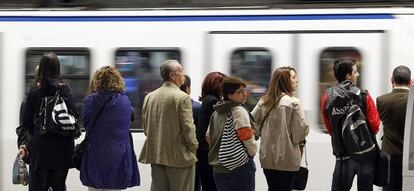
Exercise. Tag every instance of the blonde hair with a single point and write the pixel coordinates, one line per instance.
(107, 78)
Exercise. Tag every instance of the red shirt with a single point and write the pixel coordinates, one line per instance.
(373, 118)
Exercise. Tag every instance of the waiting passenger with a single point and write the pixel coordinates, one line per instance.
(210, 95)
(346, 167)
(109, 161)
(171, 143)
(50, 155)
(282, 130)
(23, 136)
(186, 87)
(392, 107)
(231, 139)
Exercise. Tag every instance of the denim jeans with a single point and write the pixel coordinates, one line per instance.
(240, 179)
(364, 171)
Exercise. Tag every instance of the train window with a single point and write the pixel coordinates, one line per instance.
(140, 68)
(254, 65)
(326, 75)
(74, 69)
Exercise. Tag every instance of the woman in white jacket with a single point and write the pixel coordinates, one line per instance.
(282, 129)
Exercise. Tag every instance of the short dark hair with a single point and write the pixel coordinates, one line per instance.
(187, 83)
(230, 85)
(401, 75)
(342, 67)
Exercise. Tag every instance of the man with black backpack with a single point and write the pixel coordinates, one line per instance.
(351, 119)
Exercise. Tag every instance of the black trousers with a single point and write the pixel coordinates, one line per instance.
(346, 170)
(205, 171)
(396, 176)
(41, 180)
(279, 180)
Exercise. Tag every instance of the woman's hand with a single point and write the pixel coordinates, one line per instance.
(22, 152)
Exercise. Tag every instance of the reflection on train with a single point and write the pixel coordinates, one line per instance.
(248, 44)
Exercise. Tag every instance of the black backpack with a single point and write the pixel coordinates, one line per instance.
(55, 117)
(348, 119)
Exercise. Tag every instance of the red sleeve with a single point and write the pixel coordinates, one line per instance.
(372, 115)
(324, 99)
(244, 133)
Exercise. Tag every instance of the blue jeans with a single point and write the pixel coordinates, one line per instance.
(364, 171)
(240, 179)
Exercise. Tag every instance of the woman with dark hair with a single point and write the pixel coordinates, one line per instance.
(282, 129)
(50, 154)
(230, 135)
(210, 95)
(109, 161)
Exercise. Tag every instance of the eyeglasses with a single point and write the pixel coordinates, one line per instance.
(241, 91)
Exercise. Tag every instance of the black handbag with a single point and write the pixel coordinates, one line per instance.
(301, 177)
(77, 154)
(80, 148)
(382, 169)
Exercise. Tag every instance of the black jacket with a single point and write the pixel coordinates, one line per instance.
(47, 151)
(204, 115)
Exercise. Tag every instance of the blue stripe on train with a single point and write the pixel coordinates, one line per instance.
(192, 18)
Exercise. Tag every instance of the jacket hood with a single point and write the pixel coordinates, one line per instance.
(225, 107)
(102, 97)
(346, 89)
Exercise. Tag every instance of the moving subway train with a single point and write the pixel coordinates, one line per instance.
(246, 43)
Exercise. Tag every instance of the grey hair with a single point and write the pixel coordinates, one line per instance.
(167, 67)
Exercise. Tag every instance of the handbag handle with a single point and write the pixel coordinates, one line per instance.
(306, 157)
(268, 113)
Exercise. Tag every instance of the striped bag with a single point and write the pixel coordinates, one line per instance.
(232, 152)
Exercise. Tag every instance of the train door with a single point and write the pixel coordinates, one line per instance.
(408, 153)
(315, 56)
(250, 56)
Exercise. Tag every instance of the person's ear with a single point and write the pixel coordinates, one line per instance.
(171, 75)
(348, 76)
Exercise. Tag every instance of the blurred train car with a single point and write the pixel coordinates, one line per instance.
(246, 43)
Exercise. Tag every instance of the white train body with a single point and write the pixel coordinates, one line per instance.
(206, 39)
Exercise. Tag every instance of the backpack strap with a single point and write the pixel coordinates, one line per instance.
(330, 93)
(363, 97)
(363, 101)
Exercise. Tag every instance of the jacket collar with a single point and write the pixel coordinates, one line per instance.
(225, 107)
(400, 89)
(170, 84)
(346, 89)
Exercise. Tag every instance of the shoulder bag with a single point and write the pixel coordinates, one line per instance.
(232, 153)
(301, 177)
